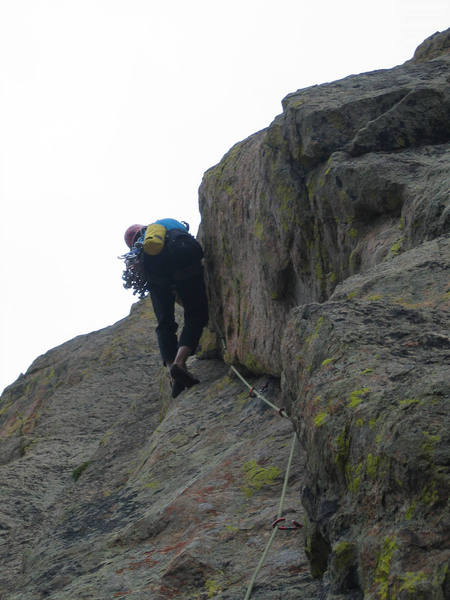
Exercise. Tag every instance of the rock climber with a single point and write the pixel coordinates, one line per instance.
(175, 271)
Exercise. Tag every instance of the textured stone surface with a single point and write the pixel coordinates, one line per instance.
(434, 46)
(112, 490)
(350, 174)
(326, 239)
(366, 378)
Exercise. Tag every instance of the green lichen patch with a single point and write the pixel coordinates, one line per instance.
(76, 473)
(342, 444)
(342, 549)
(212, 588)
(327, 361)
(411, 581)
(253, 364)
(430, 494)
(152, 484)
(320, 419)
(408, 402)
(383, 568)
(343, 556)
(429, 443)
(357, 396)
(410, 511)
(396, 248)
(372, 465)
(256, 477)
(373, 422)
(317, 329)
(354, 260)
(376, 466)
(353, 474)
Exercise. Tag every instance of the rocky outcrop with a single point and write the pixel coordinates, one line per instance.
(366, 380)
(351, 174)
(436, 45)
(327, 249)
(327, 246)
(109, 489)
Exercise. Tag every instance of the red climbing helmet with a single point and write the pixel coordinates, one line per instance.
(131, 234)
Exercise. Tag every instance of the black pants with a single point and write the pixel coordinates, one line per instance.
(192, 293)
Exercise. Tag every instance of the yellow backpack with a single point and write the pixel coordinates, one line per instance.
(154, 238)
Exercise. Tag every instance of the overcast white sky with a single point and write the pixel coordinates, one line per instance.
(111, 111)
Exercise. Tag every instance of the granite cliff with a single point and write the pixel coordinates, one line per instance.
(327, 249)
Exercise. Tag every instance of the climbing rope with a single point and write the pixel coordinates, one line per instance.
(274, 525)
(279, 519)
(280, 411)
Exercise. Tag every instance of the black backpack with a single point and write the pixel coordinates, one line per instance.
(180, 259)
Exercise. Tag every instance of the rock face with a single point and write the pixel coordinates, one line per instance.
(110, 489)
(327, 260)
(326, 238)
(366, 379)
(351, 174)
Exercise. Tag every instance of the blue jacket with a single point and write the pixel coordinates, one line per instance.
(171, 224)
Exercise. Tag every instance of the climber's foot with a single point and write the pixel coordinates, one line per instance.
(182, 376)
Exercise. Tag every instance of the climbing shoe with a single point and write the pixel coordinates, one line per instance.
(177, 388)
(182, 377)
